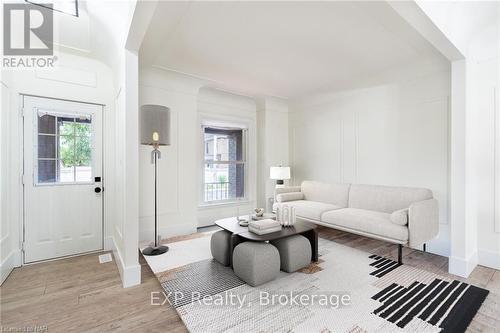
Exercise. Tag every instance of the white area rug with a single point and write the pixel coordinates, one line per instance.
(384, 296)
(181, 253)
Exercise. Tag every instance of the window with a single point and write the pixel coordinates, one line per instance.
(64, 148)
(64, 6)
(224, 164)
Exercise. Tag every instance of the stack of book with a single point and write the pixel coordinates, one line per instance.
(265, 226)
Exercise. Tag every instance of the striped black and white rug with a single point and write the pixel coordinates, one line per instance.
(383, 295)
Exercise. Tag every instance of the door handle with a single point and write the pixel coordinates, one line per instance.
(97, 189)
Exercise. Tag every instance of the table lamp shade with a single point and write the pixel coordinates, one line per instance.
(280, 173)
(155, 125)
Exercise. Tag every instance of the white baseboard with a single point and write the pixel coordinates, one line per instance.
(130, 275)
(461, 266)
(489, 259)
(11, 261)
(439, 247)
(146, 235)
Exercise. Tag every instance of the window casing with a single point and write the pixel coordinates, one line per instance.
(224, 164)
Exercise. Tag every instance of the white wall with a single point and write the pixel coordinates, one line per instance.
(177, 168)
(91, 81)
(486, 171)
(126, 224)
(179, 173)
(273, 139)
(83, 78)
(214, 106)
(474, 28)
(10, 255)
(484, 137)
(389, 134)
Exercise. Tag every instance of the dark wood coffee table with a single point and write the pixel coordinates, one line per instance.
(241, 234)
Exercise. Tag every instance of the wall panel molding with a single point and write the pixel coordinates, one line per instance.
(448, 159)
(356, 146)
(496, 145)
(342, 151)
(69, 75)
(176, 208)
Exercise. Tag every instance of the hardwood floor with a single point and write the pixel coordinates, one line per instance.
(80, 295)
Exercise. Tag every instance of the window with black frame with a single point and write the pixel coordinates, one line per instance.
(224, 164)
(64, 6)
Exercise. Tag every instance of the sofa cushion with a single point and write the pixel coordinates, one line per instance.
(367, 221)
(335, 194)
(400, 216)
(385, 199)
(311, 210)
(290, 196)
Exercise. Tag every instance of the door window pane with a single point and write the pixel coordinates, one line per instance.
(83, 150)
(67, 150)
(66, 174)
(47, 124)
(47, 146)
(83, 173)
(47, 171)
(83, 127)
(66, 126)
(65, 154)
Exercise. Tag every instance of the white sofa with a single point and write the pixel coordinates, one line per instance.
(401, 215)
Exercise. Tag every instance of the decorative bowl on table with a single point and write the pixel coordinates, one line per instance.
(264, 216)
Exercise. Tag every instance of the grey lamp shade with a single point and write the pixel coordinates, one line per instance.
(155, 125)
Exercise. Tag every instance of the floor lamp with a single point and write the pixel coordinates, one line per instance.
(155, 131)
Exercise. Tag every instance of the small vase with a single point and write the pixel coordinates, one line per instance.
(285, 216)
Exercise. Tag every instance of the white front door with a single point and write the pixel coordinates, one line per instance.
(62, 178)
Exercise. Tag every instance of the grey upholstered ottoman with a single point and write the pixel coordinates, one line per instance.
(256, 262)
(295, 252)
(219, 245)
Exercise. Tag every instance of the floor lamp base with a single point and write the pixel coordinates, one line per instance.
(154, 251)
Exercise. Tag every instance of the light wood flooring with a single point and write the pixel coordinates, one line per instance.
(80, 295)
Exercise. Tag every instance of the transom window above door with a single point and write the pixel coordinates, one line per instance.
(63, 148)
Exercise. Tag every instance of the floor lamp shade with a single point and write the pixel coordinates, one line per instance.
(155, 125)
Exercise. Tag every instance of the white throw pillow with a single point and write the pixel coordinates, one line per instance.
(290, 196)
(400, 217)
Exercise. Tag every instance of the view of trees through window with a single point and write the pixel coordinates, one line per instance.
(76, 147)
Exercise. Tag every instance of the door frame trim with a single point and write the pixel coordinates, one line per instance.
(23, 178)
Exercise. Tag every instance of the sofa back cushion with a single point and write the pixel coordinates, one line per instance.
(335, 194)
(386, 199)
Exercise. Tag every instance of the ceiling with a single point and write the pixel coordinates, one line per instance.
(95, 33)
(282, 49)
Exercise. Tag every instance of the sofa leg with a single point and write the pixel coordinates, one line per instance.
(400, 254)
